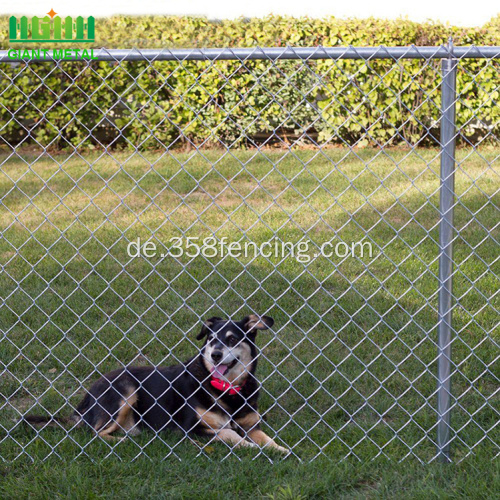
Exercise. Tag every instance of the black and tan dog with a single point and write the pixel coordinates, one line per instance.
(214, 393)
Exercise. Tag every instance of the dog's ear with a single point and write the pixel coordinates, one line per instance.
(205, 329)
(253, 322)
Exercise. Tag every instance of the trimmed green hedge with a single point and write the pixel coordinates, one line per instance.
(227, 102)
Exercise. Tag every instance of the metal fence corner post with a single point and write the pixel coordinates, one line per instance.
(447, 200)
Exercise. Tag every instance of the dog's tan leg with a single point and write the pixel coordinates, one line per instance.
(123, 419)
(216, 425)
(107, 431)
(232, 437)
(262, 439)
(130, 426)
(250, 425)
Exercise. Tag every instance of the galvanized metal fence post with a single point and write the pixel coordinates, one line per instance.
(447, 199)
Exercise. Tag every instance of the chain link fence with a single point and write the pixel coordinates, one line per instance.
(146, 191)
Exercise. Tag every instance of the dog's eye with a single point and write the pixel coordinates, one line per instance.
(231, 341)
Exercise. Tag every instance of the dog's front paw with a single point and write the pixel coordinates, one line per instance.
(282, 449)
(250, 444)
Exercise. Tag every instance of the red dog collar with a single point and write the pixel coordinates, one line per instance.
(220, 385)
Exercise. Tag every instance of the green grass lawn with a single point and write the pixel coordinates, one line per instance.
(349, 369)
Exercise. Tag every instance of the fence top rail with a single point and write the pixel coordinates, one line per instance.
(267, 53)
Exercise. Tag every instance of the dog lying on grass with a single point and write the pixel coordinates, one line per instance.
(214, 393)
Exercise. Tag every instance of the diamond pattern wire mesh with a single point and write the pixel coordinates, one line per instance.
(273, 145)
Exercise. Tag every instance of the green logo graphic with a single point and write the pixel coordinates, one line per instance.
(51, 28)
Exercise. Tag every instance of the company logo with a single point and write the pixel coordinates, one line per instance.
(51, 28)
